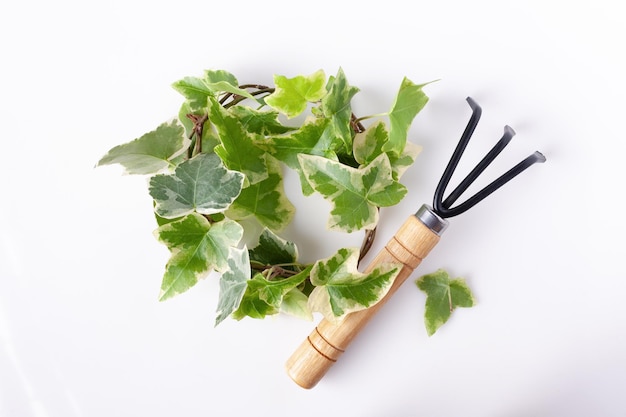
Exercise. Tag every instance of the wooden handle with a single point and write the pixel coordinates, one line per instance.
(321, 349)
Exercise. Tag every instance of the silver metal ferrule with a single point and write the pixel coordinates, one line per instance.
(431, 220)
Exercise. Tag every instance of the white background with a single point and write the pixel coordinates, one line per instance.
(81, 330)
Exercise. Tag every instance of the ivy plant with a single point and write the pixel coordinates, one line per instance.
(217, 168)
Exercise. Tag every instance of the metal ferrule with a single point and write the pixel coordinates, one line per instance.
(431, 220)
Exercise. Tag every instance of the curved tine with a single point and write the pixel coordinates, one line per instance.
(456, 155)
(536, 157)
(482, 165)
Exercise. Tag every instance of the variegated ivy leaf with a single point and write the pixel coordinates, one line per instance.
(353, 193)
(198, 90)
(336, 106)
(296, 303)
(368, 146)
(293, 94)
(151, 152)
(201, 184)
(341, 289)
(273, 250)
(233, 283)
(443, 295)
(264, 297)
(265, 200)
(237, 149)
(409, 101)
(308, 139)
(261, 122)
(197, 247)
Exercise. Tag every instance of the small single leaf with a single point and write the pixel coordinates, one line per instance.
(409, 101)
(221, 81)
(233, 283)
(273, 250)
(308, 140)
(443, 295)
(150, 153)
(342, 289)
(353, 193)
(197, 247)
(201, 184)
(265, 200)
(336, 106)
(296, 303)
(293, 94)
(197, 91)
(263, 297)
(264, 123)
(237, 149)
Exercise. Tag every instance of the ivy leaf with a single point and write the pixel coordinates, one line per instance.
(273, 250)
(443, 295)
(151, 152)
(296, 303)
(233, 283)
(264, 123)
(263, 297)
(265, 200)
(368, 146)
(198, 90)
(293, 94)
(342, 289)
(308, 140)
(237, 149)
(197, 247)
(201, 184)
(409, 101)
(353, 193)
(336, 106)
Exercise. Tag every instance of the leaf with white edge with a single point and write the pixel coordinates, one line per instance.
(198, 90)
(265, 200)
(273, 250)
(336, 106)
(342, 289)
(237, 149)
(264, 297)
(262, 122)
(308, 139)
(233, 283)
(409, 101)
(354, 193)
(196, 247)
(368, 146)
(150, 153)
(443, 295)
(293, 94)
(201, 184)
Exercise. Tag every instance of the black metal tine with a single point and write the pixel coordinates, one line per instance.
(482, 165)
(536, 157)
(456, 155)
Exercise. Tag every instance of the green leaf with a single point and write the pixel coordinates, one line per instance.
(197, 91)
(354, 193)
(273, 250)
(442, 297)
(308, 140)
(233, 283)
(265, 200)
(336, 106)
(342, 289)
(293, 94)
(197, 247)
(296, 303)
(201, 184)
(261, 122)
(409, 101)
(150, 153)
(263, 297)
(237, 149)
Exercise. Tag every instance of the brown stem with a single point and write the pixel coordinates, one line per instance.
(198, 128)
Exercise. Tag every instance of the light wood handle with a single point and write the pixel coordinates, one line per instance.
(321, 349)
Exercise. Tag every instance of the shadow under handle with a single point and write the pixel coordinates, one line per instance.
(320, 350)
